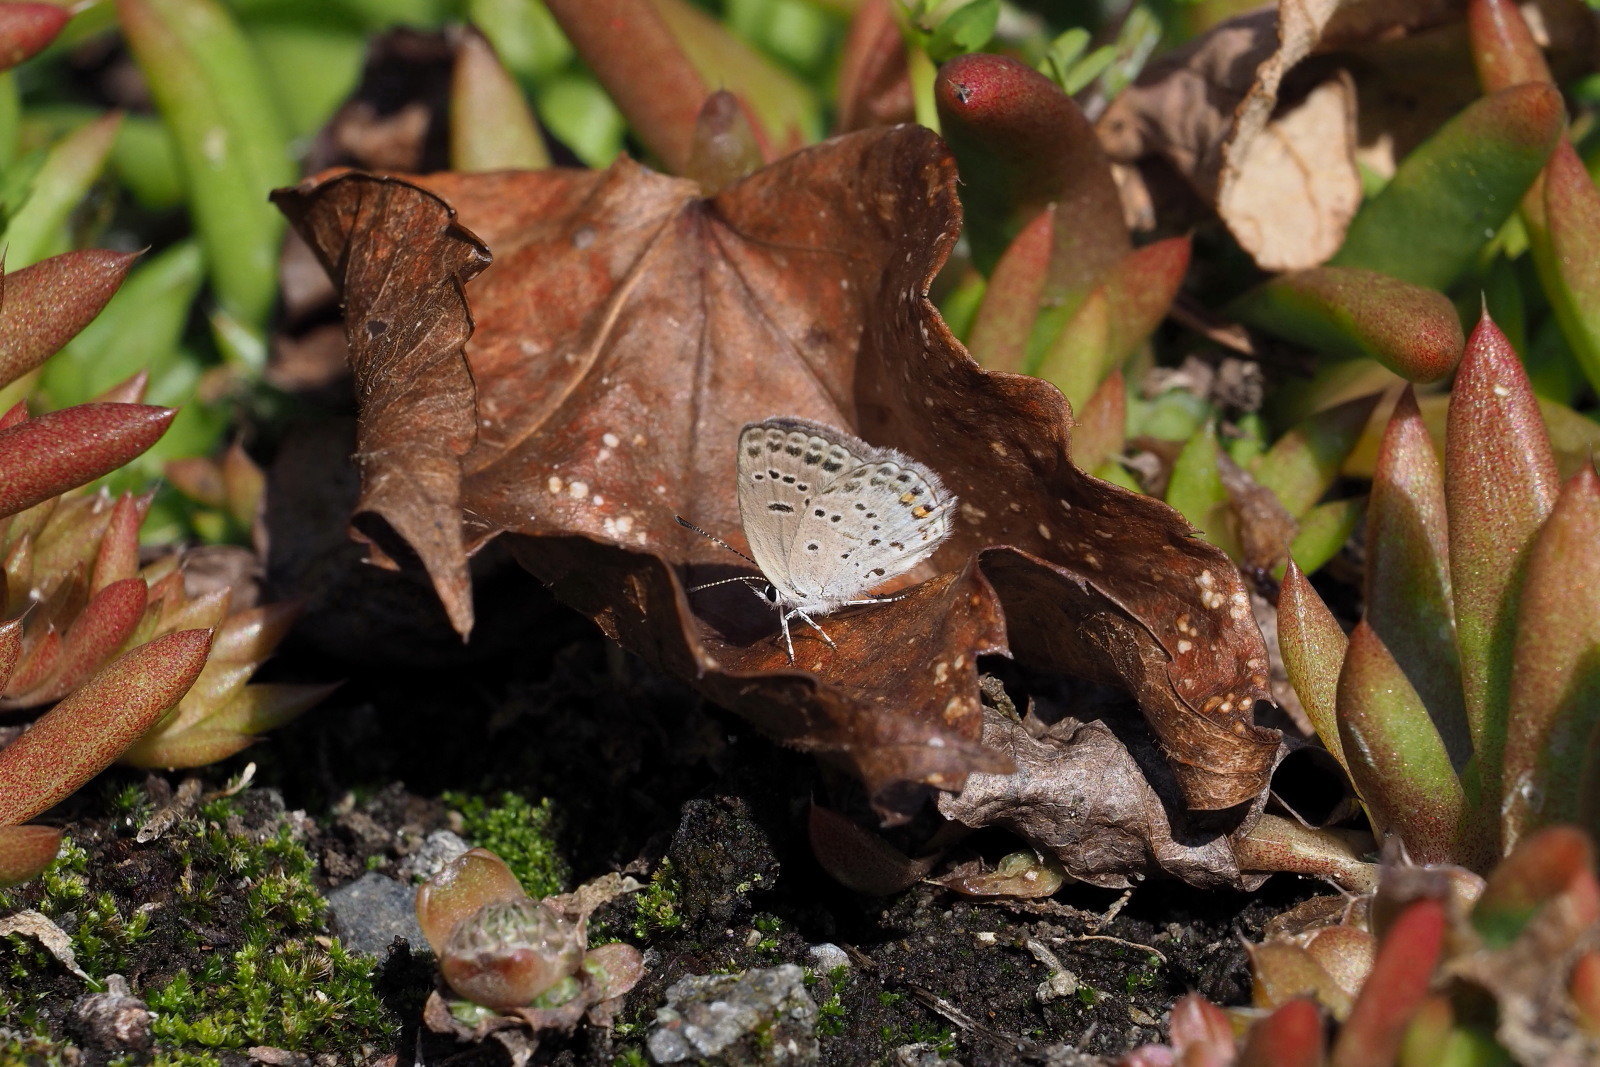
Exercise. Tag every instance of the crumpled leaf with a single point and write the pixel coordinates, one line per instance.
(1095, 796)
(627, 330)
(1280, 171)
(413, 311)
(51, 938)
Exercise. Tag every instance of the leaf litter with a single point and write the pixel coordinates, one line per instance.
(629, 326)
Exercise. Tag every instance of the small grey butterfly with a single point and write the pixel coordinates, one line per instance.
(829, 517)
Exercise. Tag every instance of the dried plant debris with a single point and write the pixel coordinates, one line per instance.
(627, 330)
(1267, 114)
(1280, 172)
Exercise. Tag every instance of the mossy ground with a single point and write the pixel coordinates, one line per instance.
(569, 764)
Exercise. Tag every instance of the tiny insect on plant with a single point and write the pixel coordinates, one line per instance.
(828, 518)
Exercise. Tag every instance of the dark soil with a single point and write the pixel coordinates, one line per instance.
(638, 771)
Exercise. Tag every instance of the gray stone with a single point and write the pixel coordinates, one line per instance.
(921, 1054)
(436, 850)
(827, 957)
(761, 1016)
(370, 912)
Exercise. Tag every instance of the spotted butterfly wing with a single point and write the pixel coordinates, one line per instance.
(887, 515)
(781, 463)
(828, 516)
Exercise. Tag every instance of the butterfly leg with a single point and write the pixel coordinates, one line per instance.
(813, 624)
(788, 642)
(877, 599)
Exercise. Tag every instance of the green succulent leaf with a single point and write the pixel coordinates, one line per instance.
(47, 304)
(1503, 49)
(1313, 649)
(1196, 490)
(1102, 424)
(1303, 464)
(1398, 985)
(141, 329)
(80, 736)
(1555, 683)
(1022, 147)
(1407, 587)
(1455, 190)
(966, 29)
(1116, 317)
(25, 851)
(1571, 272)
(1538, 872)
(1350, 312)
(785, 108)
(1290, 1037)
(44, 457)
(1395, 755)
(1000, 331)
(213, 96)
(25, 29)
(460, 889)
(1500, 484)
(72, 165)
(491, 125)
(1324, 530)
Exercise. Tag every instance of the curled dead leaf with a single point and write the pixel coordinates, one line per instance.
(630, 326)
(1276, 160)
(1094, 794)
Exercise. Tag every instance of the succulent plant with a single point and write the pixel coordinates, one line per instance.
(74, 577)
(516, 958)
(1439, 967)
(1462, 703)
(137, 666)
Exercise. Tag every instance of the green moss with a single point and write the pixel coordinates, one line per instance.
(185, 1059)
(830, 1007)
(520, 832)
(239, 945)
(769, 926)
(1138, 981)
(656, 905)
(30, 1047)
(287, 985)
(292, 994)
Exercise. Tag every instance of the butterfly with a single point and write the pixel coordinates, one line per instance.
(830, 517)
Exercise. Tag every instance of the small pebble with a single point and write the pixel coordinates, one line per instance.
(828, 957)
(370, 912)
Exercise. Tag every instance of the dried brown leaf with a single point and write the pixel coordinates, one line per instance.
(629, 327)
(1095, 795)
(1276, 161)
(415, 391)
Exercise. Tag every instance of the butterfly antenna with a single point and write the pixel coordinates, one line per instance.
(747, 578)
(714, 539)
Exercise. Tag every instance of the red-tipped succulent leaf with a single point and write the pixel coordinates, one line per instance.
(83, 734)
(26, 28)
(48, 455)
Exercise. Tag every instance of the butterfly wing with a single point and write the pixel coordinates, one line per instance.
(780, 466)
(828, 516)
(882, 518)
